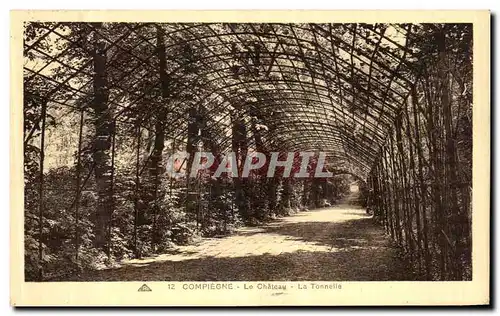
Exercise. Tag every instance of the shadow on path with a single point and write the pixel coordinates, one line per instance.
(334, 244)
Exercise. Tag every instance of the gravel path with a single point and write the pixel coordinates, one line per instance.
(330, 244)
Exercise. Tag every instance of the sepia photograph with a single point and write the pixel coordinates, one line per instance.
(270, 156)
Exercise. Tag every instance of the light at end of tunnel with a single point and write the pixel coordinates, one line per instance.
(354, 188)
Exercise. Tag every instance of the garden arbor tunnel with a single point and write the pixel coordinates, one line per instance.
(387, 103)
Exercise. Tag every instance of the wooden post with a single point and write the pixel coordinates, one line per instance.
(78, 183)
(416, 198)
(110, 226)
(40, 190)
(137, 186)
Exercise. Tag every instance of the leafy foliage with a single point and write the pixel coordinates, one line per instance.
(122, 97)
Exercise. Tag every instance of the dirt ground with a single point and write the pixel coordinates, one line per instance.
(338, 243)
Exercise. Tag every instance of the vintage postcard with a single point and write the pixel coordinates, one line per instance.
(250, 158)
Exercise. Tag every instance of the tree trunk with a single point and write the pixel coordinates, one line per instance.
(155, 165)
(102, 144)
(239, 147)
